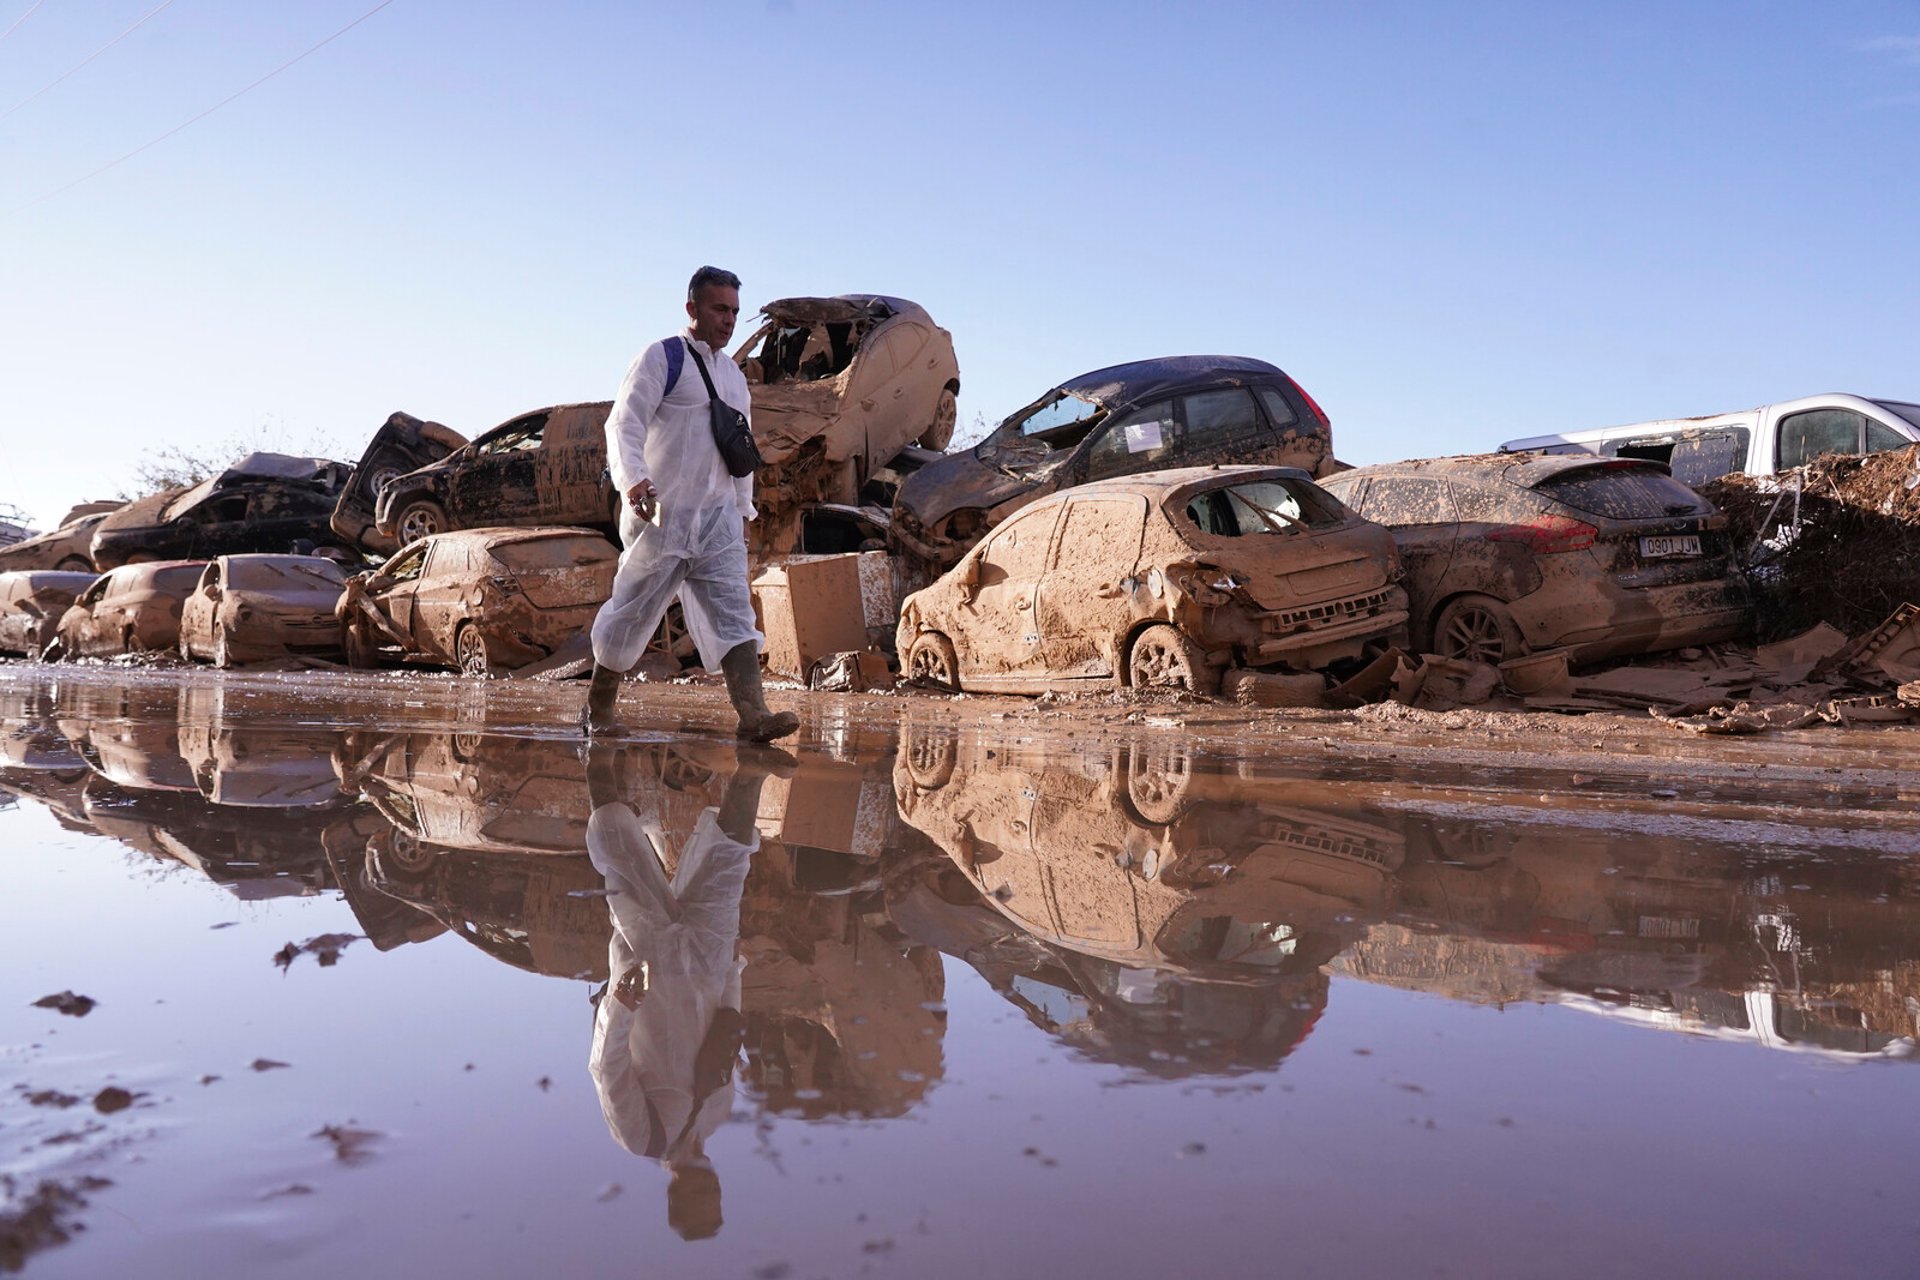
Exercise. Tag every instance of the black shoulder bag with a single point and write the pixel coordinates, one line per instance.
(730, 431)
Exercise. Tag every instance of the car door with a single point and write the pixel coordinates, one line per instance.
(1421, 512)
(212, 527)
(396, 600)
(902, 405)
(499, 481)
(438, 604)
(1085, 601)
(1141, 439)
(997, 638)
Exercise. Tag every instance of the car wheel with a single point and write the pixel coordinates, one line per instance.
(383, 474)
(1162, 658)
(75, 564)
(931, 660)
(470, 651)
(945, 411)
(419, 519)
(1476, 629)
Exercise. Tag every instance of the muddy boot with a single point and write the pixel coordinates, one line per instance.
(603, 772)
(596, 718)
(741, 667)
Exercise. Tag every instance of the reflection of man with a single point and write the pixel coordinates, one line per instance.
(667, 1032)
(681, 515)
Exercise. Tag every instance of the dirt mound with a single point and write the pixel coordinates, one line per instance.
(1835, 541)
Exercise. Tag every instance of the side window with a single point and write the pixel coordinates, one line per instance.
(1352, 493)
(1697, 459)
(1880, 437)
(407, 568)
(1399, 500)
(231, 509)
(1279, 412)
(1018, 552)
(96, 592)
(1486, 503)
(1805, 436)
(1218, 417)
(524, 434)
(1136, 441)
(905, 342)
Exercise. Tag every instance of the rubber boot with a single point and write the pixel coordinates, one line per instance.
(596, 718)
(741, 667)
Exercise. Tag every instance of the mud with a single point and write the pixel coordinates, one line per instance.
(939, 991)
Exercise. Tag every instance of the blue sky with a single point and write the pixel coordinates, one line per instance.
(1452, 223)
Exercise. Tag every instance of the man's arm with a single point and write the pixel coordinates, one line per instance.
(633, 409)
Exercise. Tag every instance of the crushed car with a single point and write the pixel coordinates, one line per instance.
(68, 548)
(258, 608)
(478, 600)
(1162, 579)
(133, 609)
(1145, 416)
(403, 443)
(1509, 554)
(265, 502)
(31, 606)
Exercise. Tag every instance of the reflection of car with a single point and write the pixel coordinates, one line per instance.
(67, 548)
(132, 609)
(484, 793)
(264, 502)
(479, 599)
(403, 443)
(31, 605)
(547, 467)
(1507, 553)
(864, 375)
(259, 607)
(1173, 412)
(1161, 579)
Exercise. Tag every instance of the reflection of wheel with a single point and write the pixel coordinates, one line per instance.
(408, 854)
(940, 434)
(1162, 658)
(75, 564)
(1477, 629)
(419, 519)
(930, 658)
(930, 758)
(470, 651)
(1159, 774)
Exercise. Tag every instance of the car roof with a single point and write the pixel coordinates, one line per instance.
(841, 307)
(40, 579)
(1522, 469)
(1126, 383)
(498, 535)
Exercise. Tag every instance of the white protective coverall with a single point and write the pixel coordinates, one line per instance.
(685, 929)
(694, 546)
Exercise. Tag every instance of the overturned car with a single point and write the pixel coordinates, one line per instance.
(1164, 579)
(403, 443)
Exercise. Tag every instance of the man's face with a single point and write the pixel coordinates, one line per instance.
(714, 310)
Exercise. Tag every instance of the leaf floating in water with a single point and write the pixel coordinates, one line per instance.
(68, 1003)
(349, 1145)
(113, 1098)
(267, 1064)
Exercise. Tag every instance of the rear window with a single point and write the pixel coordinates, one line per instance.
(1623, 493)
(552, 553)
(1263, 506)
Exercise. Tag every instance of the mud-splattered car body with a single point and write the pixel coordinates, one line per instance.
(1511, 553)
(257, 608)
(133, 609)
(403, 443)
(68, 548)
(480, 600)
(547, 467)
(484, 793)
(841, 385)
(1212, 566)
(264, 502)
(1151, 414)
(31, 606)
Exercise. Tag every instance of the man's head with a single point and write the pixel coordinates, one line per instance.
(713, 304)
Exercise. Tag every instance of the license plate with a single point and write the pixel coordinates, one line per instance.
(1663, 548)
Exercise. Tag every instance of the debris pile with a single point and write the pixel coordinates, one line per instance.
(1835, 541)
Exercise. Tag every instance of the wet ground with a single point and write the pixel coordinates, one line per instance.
(374, 975)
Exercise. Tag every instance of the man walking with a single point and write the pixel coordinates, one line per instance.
(681, 516)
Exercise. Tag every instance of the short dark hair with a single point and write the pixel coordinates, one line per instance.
(710, 275)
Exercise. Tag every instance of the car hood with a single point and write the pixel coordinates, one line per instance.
(955, 483)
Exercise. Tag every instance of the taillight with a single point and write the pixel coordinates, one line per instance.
(1547, 533)
(1313, 406)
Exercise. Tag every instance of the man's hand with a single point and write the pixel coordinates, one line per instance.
(641, 497)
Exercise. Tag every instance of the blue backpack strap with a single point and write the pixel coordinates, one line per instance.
(676, 360)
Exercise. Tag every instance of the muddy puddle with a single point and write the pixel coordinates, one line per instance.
(382, 976)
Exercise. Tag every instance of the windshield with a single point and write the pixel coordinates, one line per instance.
(1057, 422)
(1900, 408)
(1624, 492)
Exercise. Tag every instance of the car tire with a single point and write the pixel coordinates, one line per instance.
(932, 661)
(1162, 658)
(421, 518)
(945, 411)
(470, 651)
(75, 564)
(1476, 628)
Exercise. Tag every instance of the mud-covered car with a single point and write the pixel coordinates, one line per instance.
(548, 467)
(1507, 554)
(132, 609)
(68, 548)
(403, 443)
(256, 608)
(31, 606)
(480, 600)
(1146, 416)
(1161, 579)
(265, 502)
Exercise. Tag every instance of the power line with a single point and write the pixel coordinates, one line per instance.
(22, 18)
(84, 61)
(113, 164)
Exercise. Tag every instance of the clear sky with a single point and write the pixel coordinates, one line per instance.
(1452, 223)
